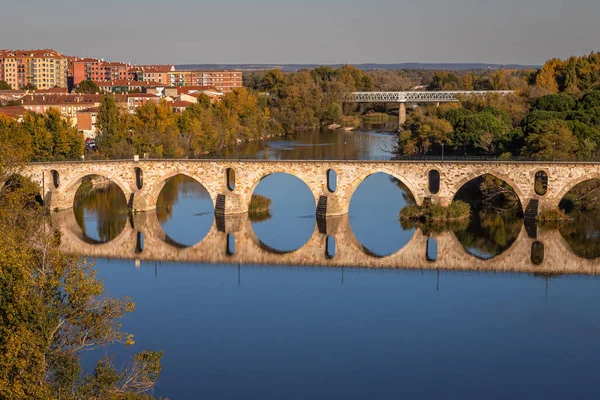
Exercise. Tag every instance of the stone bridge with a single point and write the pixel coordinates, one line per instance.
(230, 183)
(231, 240)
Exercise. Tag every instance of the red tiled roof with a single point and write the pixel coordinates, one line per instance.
(37, 53)
(13, 111)
(149, 95)
(54, 99)
(123, 82)
(52, 91)
(188, 89)
(89, 110)
(153, 68)
(181, 104)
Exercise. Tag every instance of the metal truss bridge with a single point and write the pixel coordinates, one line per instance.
(419, 96)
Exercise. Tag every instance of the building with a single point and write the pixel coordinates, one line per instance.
(96, 70)
(187, 92)
(139, 99)
(68, 106)
(43, 68)
(223, 81)
(127, 86)
(86, 121)
(14, 112)
(153, 73)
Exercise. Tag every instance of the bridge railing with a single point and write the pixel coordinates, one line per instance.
(419, 96)
(349, 158)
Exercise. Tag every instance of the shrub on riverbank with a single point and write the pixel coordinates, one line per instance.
(259, 208)
(456, 211)
(553, 215)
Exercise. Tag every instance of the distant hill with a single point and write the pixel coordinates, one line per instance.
(367, 66)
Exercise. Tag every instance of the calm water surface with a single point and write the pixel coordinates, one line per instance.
(274, 332)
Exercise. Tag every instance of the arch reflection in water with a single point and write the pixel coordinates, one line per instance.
(185, 210)
(374, 211)
(292, 213)
(558, 257)
(582, 204)
(100, 209)
(496, 217)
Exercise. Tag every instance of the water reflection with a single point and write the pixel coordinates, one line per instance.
(185, 210)
(314, 144)
(583, 234)
(100, 210)
(291, 219)
(490, 233)
(374, 210)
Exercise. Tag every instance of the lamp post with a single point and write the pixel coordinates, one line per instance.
(442, 151)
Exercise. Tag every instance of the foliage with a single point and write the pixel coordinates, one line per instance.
(552, 140)
(29, 86)
(88, 87)
(259, 208)
(430, 211)
(5, 86)
(554, 102)
(43, 137)
(552, 215)
(52, 307)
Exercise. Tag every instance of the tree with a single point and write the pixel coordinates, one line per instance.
(29, 86)
(52, 307)
(111, 129)
(424, 131)
(88, 86)
(5, 86)
(551, 140)
(554, 102)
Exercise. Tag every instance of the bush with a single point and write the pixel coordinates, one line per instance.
(259, 208)
(431, 212)
(553, 215)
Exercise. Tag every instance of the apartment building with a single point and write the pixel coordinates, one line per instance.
(153, 73)
(43, 68)
(68, 106)
(223, 81)
(99, 70)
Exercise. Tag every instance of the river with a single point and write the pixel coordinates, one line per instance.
(316, 329)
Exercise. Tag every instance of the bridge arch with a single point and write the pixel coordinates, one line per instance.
(571, 185)
(505, 178)
(154, 190)
(363, 176)
(69, 189)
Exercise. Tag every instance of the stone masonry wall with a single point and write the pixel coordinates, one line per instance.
(350, 174)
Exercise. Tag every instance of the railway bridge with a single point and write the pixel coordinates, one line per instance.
(418, 97)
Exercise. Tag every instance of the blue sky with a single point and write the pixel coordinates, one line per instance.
(309, 31)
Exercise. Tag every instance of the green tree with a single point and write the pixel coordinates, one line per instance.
(554, 102)
(52, 307)
(5, 86)
(87, 86)
(551, 140)
(29, 86)
(112, 134)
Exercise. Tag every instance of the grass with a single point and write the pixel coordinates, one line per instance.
(259, 208)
